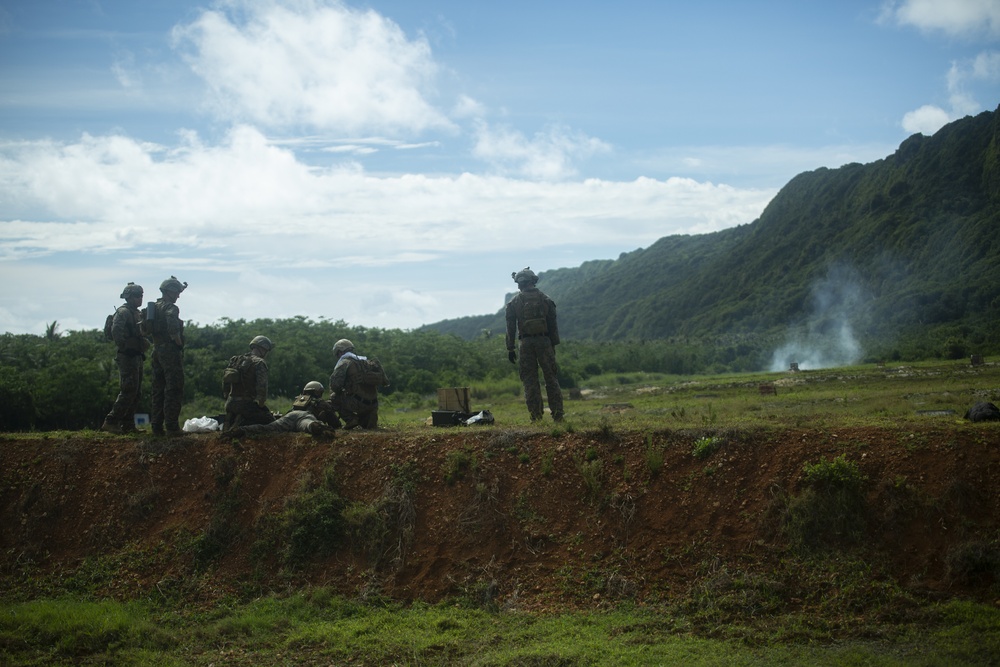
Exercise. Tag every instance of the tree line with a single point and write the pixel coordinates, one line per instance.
(70, 380)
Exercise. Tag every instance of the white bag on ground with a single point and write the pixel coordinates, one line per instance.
(201, 425)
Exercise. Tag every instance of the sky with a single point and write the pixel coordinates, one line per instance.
(391, 163)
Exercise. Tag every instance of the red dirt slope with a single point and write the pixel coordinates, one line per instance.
(523, 519)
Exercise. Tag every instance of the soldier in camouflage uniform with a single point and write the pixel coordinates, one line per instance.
(353, 391)
(126, 331)
(309, 414)
(168, 358)
(244, 385)
(531, 319)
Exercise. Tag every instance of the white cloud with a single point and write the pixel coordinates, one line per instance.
(126, 73)
(247, 195)
(466, 107)
(761, 164)
(959, 18)
(962, 77)
(312, 63)
(548, 155)
(927, 120)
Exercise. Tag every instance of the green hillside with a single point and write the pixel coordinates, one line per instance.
(901, 248)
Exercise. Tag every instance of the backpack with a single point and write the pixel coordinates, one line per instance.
(303, 402)
(535, 311)
(155, 320)
(235, 373)
(372, 372)
(108, 325)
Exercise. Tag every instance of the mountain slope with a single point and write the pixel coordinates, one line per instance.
(905, 242)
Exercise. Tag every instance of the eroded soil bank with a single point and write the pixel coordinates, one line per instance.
(514, 516)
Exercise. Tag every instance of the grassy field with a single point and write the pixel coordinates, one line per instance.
(853, 396)
(63, 622)
(315, 628)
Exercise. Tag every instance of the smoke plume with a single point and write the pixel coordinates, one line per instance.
(826, 339)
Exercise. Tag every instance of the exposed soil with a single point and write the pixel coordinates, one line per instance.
(517, 522)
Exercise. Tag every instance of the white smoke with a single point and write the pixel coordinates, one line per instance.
(826, 339)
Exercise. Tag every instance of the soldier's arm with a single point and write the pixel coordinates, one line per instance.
(511, 315)
(262, 372)
(338, 380)
(552, 323)
(175, 327)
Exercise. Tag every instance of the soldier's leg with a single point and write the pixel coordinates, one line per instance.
(158, 386)
(115, 419)
(550, 371)
(284, 424)
(134, 390)
(173, 392)
(528, 371)
(369, 418)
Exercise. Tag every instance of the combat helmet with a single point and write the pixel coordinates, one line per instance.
(171, 284)
(132, 290)
(342, 345)
(525, 275)
(263, 342)
(314, 388)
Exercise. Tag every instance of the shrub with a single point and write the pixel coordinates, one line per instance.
(457, 463)
(973, 563)
(705, 447)
(831, 510)
(313, 522)
(592, 472)
(654, 456)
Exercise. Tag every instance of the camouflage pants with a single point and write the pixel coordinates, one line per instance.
(129, 389)
(242, 411)
(537, 352)
(168, 387)
(357, 411)
(295, 420)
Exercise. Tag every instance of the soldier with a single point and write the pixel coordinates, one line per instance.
(531, 318)
(244, 386)
(354, 386)
(126, 331)
(164, 322)
(311, 399)
(309, 414)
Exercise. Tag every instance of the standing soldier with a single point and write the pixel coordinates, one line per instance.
(126, 331)
(244, 385)
(164, 322)
(531, 318)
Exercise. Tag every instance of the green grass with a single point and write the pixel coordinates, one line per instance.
(919, 393)
(857, 395)
(316, 627)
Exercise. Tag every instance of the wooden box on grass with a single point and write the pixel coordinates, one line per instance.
(455, 399)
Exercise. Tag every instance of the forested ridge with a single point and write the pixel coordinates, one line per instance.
(905, 247)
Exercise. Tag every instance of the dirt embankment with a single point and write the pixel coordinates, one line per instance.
(512, 514)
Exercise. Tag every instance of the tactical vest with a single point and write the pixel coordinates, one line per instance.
(156, 321)
(239, 379)
(534, 312)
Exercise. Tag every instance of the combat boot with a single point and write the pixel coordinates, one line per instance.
(320, 431)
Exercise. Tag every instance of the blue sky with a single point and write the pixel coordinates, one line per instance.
(391, 163)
